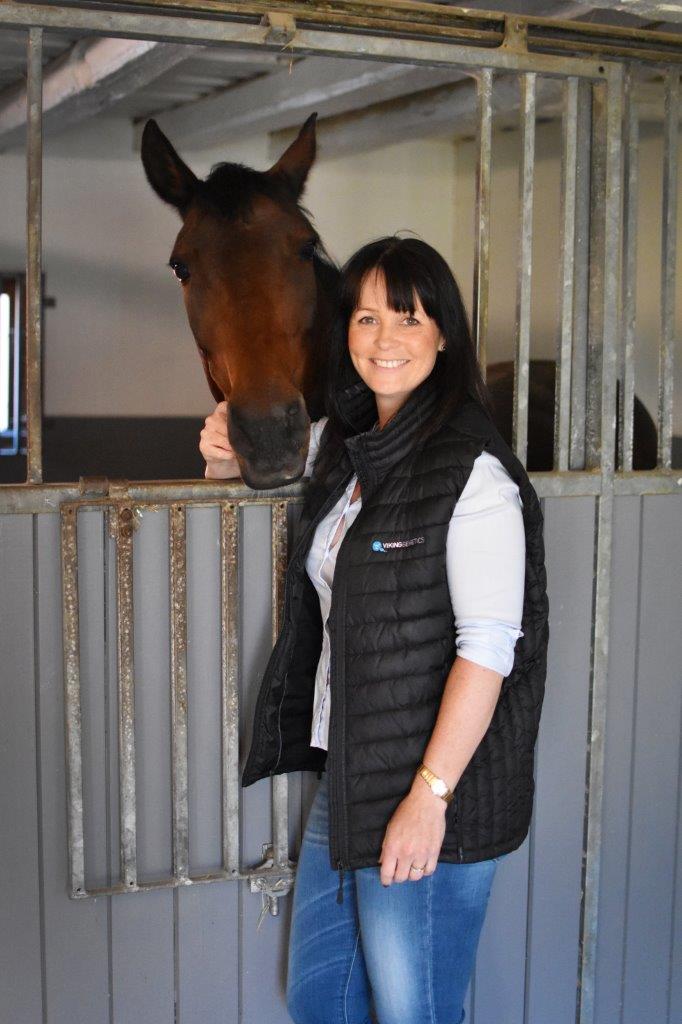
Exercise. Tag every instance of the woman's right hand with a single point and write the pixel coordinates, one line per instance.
(221, 461)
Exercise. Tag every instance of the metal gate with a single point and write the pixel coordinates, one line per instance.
(595, 70)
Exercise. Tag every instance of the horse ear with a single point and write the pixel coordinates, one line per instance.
(296, 161)
(168, 175)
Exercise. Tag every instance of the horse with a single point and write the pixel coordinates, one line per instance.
(260, 292)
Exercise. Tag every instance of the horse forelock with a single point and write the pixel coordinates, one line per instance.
(231, 188)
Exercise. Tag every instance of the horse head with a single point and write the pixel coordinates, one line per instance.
(259, 290)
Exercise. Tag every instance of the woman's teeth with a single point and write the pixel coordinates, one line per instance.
(390, 363)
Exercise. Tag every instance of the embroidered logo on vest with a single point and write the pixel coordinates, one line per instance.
(384, 545)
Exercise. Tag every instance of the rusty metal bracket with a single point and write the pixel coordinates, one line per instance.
(515, 35)
(281, 27)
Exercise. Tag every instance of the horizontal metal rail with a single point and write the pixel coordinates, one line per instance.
(399, 20)
(510, 55)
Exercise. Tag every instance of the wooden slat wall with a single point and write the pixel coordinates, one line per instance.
(194, 955)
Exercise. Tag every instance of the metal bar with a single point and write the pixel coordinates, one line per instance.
(581, 276)
(280, 783)
(34, 201)
(562, 383)
(626, 368)
(596, 731)
(305, 41)
(594, 354)
(122, 530)
(668, 261)
(21, 499)
(229, 578)
(484, 89)
(524, 279)
(178, 666)
(118, 889)
(405, 19)
(72, 699)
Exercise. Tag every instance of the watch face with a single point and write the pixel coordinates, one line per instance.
(439, 787)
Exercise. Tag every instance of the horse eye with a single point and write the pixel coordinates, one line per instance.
(307, 251)
(180, 269)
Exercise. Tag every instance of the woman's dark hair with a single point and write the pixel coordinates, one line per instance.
(409, 266)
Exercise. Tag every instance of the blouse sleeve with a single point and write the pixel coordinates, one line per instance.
(316, 428)
(485, 558)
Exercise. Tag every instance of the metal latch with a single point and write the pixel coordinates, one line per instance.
(271, 886)
(282, 27)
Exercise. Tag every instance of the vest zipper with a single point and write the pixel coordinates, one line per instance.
(338, 822)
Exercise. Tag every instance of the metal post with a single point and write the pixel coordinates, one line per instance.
(280, 783)
(72, 699)
(609, 110)
(34, 189)
(668, 259)
(122, 529)
(626, 364)
(562, 388)
(484, 88)
(178, 696)
(229, 576)
(524, 272)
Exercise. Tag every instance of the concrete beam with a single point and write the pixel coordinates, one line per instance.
(93, 75)
(329, 85)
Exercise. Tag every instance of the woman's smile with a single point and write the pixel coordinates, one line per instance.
(389, 364)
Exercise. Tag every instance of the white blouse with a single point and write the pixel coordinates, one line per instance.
(486, 541)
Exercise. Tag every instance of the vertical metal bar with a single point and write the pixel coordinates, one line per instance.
(484, 88)
(562, 388)
(34, 190)
(523, 285)
(594, 825)
(72, 699)
(626, 368)
(229, 577)
(122, 517)
(280, 783)
(595, 336)
(581, 275)
(178, 636)
(668, 260)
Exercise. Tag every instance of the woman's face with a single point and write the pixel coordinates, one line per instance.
(392, 352)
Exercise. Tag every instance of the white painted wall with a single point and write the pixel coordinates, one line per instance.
(118, 343)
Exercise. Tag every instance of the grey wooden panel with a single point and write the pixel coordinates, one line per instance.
(152, 695)
(654, 775)
(142, 925)
(262, 953)
(207, 916)
(94, 695)
(21, 965)
(621, 709)
(554, 909)
(76, 942)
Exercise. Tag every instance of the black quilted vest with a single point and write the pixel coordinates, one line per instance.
(392, 636)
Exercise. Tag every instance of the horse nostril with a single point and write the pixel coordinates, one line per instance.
(293, 410)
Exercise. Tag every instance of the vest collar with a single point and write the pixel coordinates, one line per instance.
(373, 452)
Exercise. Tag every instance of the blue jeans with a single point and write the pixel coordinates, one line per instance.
(404, 953)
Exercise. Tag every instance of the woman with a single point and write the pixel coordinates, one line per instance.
(397, 675)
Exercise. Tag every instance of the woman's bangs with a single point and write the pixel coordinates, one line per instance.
(404, 279)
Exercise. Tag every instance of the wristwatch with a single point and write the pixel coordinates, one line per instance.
(438, 786)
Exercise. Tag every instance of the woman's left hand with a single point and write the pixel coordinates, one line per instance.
(414, 835)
